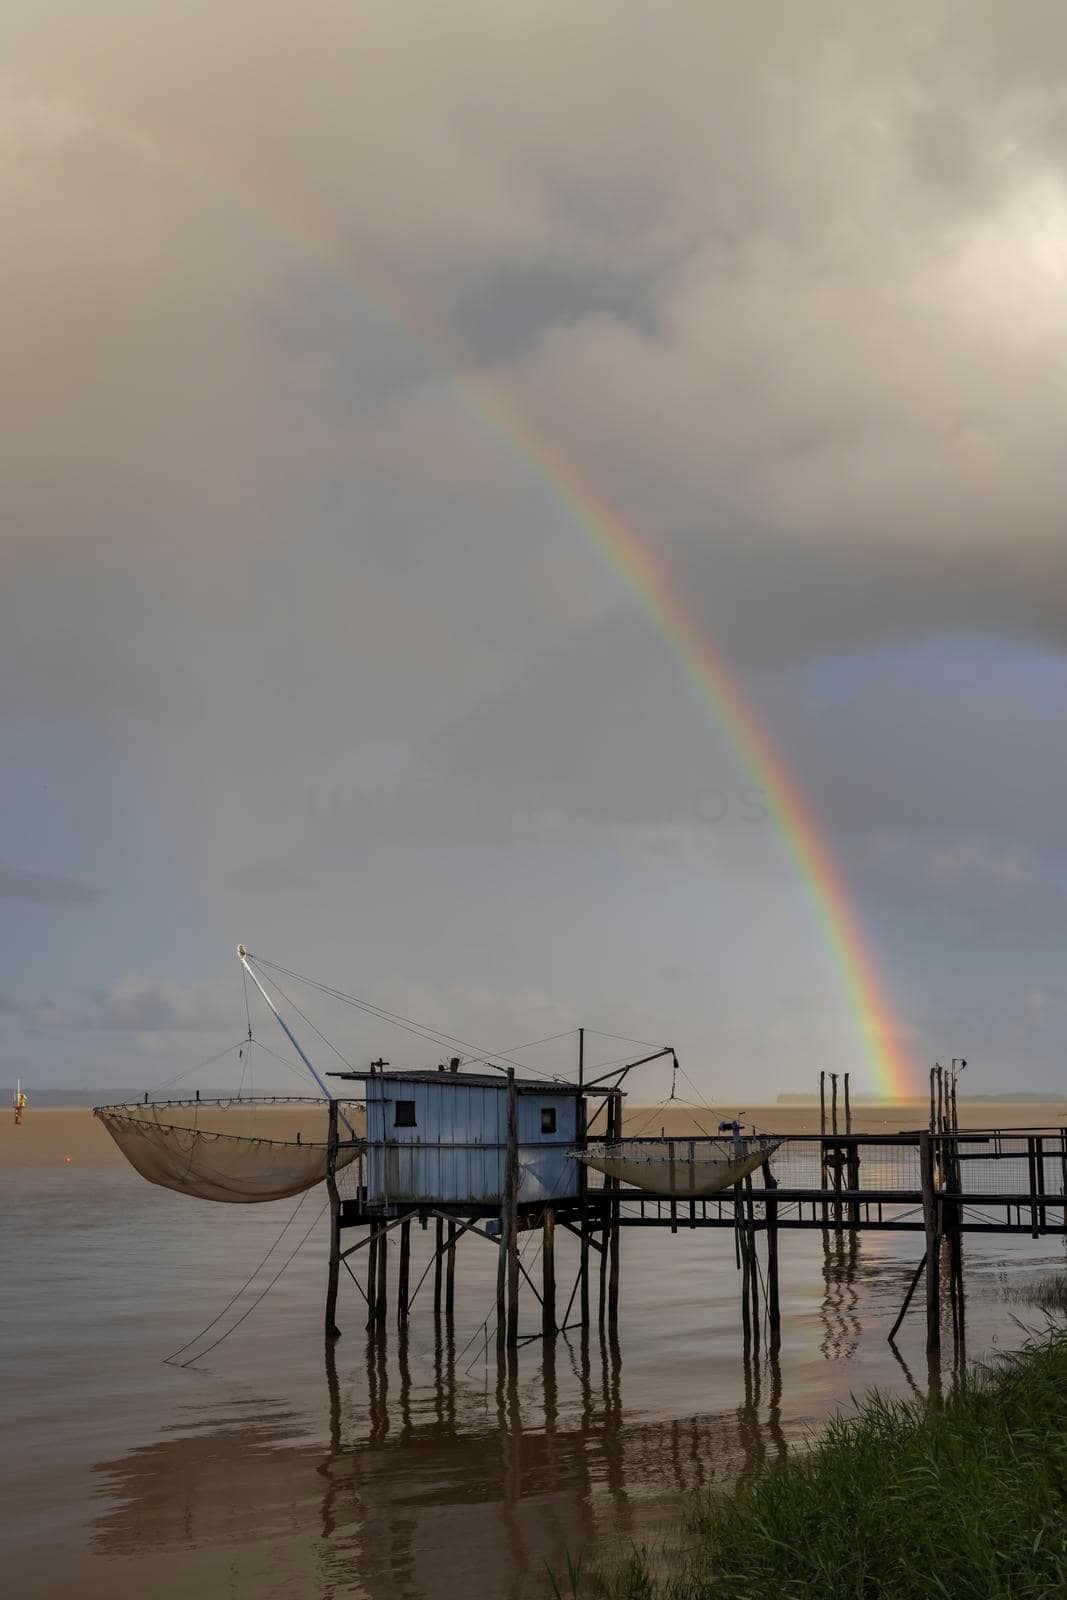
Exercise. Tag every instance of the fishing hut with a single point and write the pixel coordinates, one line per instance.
(489, 1154)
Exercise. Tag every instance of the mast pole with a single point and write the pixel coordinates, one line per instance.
(243, 956)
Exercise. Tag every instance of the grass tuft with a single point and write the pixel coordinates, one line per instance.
(1046, 1294)
(966, 1501)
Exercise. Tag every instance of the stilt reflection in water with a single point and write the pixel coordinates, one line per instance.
(842, 1327)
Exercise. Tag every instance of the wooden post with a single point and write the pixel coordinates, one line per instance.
(822, 1141)
(1039, 1169)
(513, 1211)
(334, 1273)
(753, 1274)
(774, 1310)
(746, 1267)
(933, 1073)
(438, 1251)
(548, 1275)
(933, 1263)
(382, 1286)
(450, 1273)
(502, 1271)
(853, 1159)
(404, 1274)
(583, 1190)
(613, 1224)
(372, 1275)
(1031, 1167)
(836, 1158)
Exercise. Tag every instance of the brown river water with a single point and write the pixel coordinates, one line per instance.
(411, 1469)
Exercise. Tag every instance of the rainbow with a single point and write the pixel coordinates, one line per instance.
(631, 554)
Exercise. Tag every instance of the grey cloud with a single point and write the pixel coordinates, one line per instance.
(138, 1003)
(44, 888)
(270, 877)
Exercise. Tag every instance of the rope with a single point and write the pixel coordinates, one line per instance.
(243, 1287)
(408, 1024)
(622, 1038)
(188, 1071)
(261, 1296)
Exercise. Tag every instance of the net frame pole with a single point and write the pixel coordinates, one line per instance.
(243, 957)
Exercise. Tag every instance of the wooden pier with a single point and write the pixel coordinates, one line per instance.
(942, 1186)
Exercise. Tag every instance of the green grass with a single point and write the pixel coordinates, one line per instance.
(903, 1502)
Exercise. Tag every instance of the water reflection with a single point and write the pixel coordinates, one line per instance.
(422, 1484)
(842, 1327)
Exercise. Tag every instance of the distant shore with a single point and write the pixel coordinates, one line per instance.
(49, 1134)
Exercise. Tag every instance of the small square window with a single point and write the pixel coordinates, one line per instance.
(403, 1113)
(548, 1119)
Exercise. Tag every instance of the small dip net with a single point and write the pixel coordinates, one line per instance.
(239, 1151)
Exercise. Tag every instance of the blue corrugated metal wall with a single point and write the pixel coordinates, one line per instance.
(455, 1152)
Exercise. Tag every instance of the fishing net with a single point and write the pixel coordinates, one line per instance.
(236, 1151)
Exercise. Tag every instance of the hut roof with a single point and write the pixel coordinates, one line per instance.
(481, 1080)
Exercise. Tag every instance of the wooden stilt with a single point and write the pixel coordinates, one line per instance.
(822, 1143)
(502, 1281)
(746, 1267)
(583, 1191)
(548, 1275)
(615, 1112)
(450, 1273)
(753, 1273)
(372, 1276)
(382, 1287)
(933, 1262)
(852, 1158)
(512, 1192)
(404, 1274)
(438, 1252)
(334, 1272)
(774, 1310)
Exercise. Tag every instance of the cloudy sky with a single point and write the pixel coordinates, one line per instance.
(299, 643)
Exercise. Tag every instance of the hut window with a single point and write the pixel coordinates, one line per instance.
(403, 1113)
(548, 1119)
